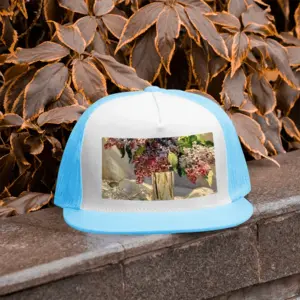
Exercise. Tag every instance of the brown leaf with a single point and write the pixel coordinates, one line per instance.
(115, 24)
(46, 85)
(79, 6)
(102, 7)
(247, 105)
(17, 107)
(289, 39)
(99, 44)
(4, 6)
(87, 27)
(285, 7)
(203, 94)
(280, 58)
(17, 148)
(55, 143)
(3, 58)
(198, 4)
(294, 55)
(139, 22)
(15, 71)
(121, 75)
(167, 30)
(35, 144)
(81, 100)
(291, 128)
(250, 133)
(70, 35)
(225, 19)
(240, 48)
(28, 202)
(7, 163)
(67, 98)
(88, 79)
(144, 58)
(22, 7)
(10, 120)
(233, 88)
(297, 21)
(254, 14)
(6, 212)
(262, 93)
(16, 88)
(28, 125)
(52, 11)
(228, 38)
(9, 36)
(257, 42)
(45, 52)
(264, 30)
(199, 63)
(236, 7)
(287, 96)
(185, 21)
(216, 65)
(208, 31)
(67, 114)
(3, 91)
(271, 126)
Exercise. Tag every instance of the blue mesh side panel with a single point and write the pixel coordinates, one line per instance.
(69, 184)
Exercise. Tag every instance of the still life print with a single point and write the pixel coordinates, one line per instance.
(158, 168)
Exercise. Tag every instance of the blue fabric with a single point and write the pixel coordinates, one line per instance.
(69, 185)
(207, 219)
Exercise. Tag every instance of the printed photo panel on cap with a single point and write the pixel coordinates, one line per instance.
(141, 151)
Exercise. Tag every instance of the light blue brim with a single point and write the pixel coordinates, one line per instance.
(221, 217)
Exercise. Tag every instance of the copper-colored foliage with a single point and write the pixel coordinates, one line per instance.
(233, 88)
(250, 133)
(114, 23)
(79, 6)
(291, 128)
(144, 57)
(167, 28)
(87, 78)
(71, 36)
(87, 27)
(199, 63)
(47, 84)
(27, 202)
(46, 52)
(102, 7)
(57, 57)
(139, 22)
(121, 75)
(297, 21)
(271, 127)
(67, 114)
(262, 93)
(207, 30)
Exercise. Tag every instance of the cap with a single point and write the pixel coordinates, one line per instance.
(153, 161)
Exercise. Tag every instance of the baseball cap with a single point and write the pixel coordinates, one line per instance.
(153, 161)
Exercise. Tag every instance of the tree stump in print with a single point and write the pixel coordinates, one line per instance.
(163, 186)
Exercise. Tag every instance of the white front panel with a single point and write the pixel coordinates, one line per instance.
(148, 115)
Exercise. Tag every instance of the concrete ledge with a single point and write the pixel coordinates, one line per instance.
(42, 258)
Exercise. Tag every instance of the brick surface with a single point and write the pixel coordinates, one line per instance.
(213, 265)
(279, 246)
(104, 284)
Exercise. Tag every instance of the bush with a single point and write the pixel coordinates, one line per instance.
(58, 57)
